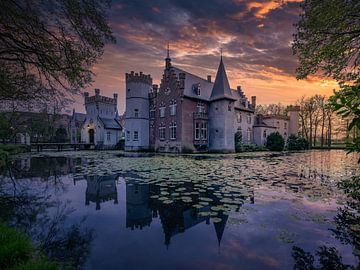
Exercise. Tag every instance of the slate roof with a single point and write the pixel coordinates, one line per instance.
(221, 87)
(206, 88)
(110, 123)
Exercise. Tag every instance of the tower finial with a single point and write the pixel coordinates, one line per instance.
(168, 50)
(221, 51)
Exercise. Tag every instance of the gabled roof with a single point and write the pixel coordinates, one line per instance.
(110, 123)
(190, 80)
(221, 89)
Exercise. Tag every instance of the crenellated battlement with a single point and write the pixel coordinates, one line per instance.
(98, 98)
(133, 77)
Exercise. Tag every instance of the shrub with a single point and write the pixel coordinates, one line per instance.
(249, 148)
(297, 143)
(3, 158)
(15, 247)
(17, 252)
(275, 142)
(187, 150)
(120, 145)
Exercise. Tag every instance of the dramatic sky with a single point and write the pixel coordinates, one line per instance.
(256, 38)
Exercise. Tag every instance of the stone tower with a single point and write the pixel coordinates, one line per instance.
(221, 114)
(293, 113)
(137, 111)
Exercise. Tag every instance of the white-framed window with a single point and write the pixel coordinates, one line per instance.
(197, 131)
(173, 109)
(203, 132)
(108, 136)
(248, 135)
(162, 111)
(136, 135)
(128, 135)
(200, 107)
(173, 131)
(136, 113)
(238, 117)
(152, 113)
(249, 118)
(162, 133)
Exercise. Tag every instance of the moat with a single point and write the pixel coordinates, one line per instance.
(108, 210)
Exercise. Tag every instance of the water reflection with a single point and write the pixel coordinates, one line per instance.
(273, 204)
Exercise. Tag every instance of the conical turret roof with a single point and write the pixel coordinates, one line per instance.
(221, 88)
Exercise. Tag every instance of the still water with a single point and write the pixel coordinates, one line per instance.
(104, 210)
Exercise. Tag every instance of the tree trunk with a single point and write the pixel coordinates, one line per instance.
(322, 128)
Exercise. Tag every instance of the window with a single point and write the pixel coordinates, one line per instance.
(162, 111)
(152, 113)
(136, 135)
(108, 136)
(285, 125)
(248, 135)
(249, 118)
(173, 109)
(285, 134)
(277, 124)
(204, 131)
(264, 134)
(197, 89)
(197, 131)
(162, 133)
(136, 113)
(200, 107)
(173, 131)
(128, 135)
(238, 117)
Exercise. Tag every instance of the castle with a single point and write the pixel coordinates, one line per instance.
(100, 125)
(189, 113)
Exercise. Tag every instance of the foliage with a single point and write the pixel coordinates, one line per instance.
(47, 48)
(3, 158)
(5, 128)
(61, 135)
(275, 142)
(238, 141)
(17, 252)
(276, 109)
(297, 143)
(120, 145)
(13, 149)
(328, 258)
(15, 247)
(346, 103)
(250, 148)
(326, 39)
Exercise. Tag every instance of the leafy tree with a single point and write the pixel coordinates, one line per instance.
(48, 47)
(5, 128)
(61, 135)
(297, 143)
(327, 39)
(346, 103)
(275, 142)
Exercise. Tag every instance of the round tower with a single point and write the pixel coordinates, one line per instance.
(137, 111)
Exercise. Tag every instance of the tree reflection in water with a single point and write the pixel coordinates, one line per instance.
(36, 212)
(347, 230)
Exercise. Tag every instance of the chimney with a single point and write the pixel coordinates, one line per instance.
(253, 101)
(209, 78)
(97, 91)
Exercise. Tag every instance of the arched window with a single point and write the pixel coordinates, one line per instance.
(248, 135)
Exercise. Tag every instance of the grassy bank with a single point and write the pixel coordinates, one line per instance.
(17, 252)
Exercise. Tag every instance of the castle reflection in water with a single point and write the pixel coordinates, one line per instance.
(141, 209)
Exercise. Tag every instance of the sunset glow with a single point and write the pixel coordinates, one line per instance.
(256, 38)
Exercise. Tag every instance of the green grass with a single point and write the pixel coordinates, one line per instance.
(15, 247)
(17, 252)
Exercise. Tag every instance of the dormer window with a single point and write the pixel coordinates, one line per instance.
(136, 113)
(197, 89)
